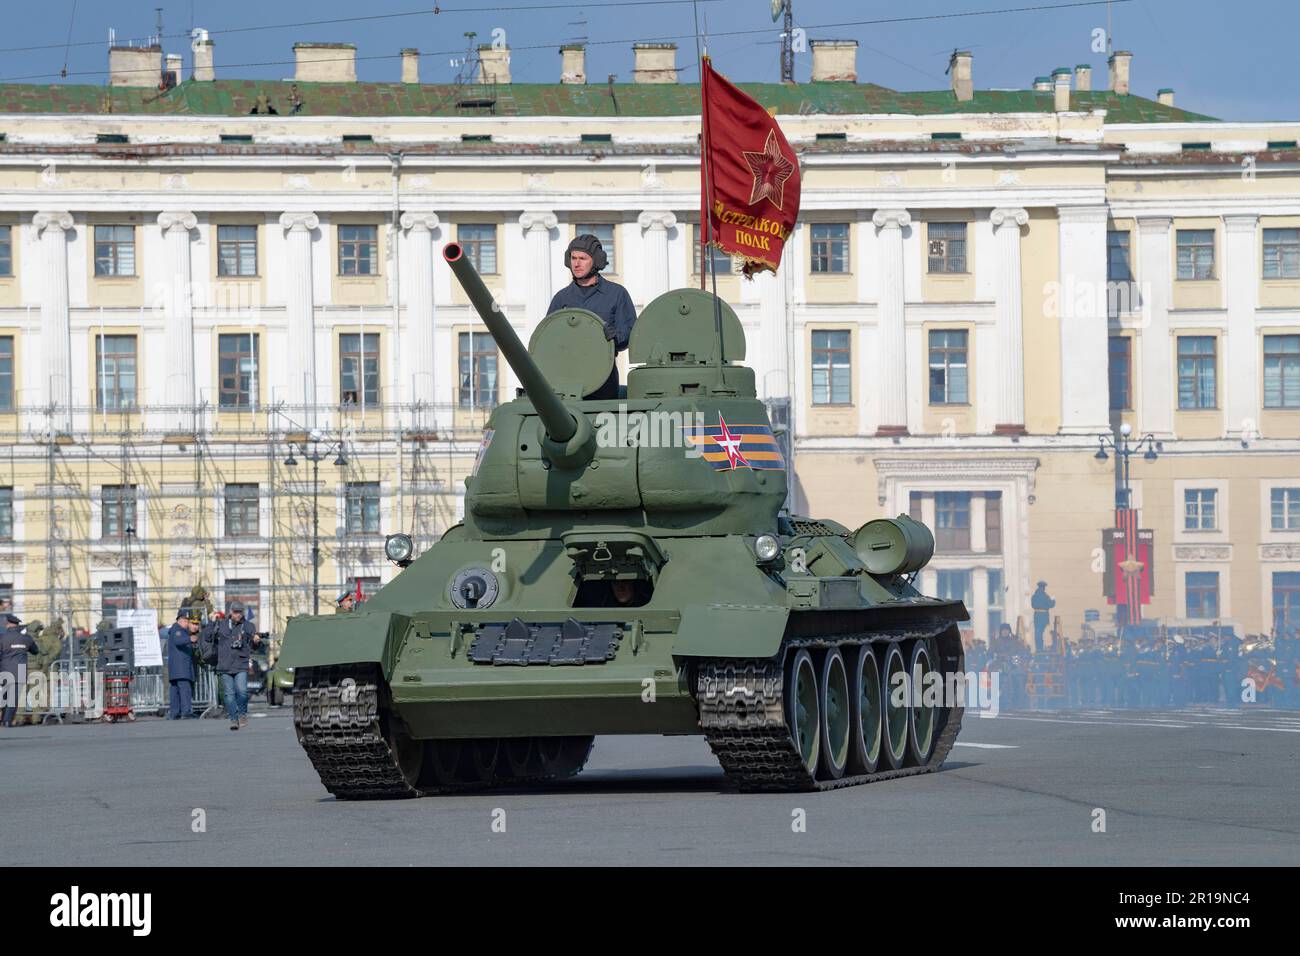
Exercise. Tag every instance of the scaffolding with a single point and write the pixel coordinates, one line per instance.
(166, 532)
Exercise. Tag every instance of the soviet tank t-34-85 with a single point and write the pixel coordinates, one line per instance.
(625, 567)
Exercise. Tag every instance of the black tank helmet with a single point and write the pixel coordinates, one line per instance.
(591, 246)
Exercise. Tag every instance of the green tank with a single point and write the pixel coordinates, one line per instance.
(625, 566)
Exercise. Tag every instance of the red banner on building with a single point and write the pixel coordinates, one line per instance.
(1130, 565)
(749, 190)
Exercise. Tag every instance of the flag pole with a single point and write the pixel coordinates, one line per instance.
(706, 214)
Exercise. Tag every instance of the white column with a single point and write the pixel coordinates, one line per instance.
(56, 342)
(1156, 411)
(300, 314)
(1083, 323)
(891, 362)
(654, 225)
(1010, 419)
(1239, 377)
(980, 612)
(537, 228)
(178, 337)
(417, 360)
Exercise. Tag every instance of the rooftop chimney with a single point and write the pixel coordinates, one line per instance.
(493, 63)
(410, 65)
(135, 66)
(325, 62)
(1119, 72)
(1083, 78)
(654, 62)
(204, 70)
(573, 63)
(1061, 89)
(959, 66)
(1042, 84)
(173, 68)
(1165, 97)
(835, 61)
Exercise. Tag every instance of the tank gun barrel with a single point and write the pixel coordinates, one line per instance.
(559, 422)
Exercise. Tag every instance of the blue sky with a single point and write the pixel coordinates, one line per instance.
(1226, 59)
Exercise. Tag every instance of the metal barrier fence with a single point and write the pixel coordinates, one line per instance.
(74, 693)
(207, 696)
(149, 692)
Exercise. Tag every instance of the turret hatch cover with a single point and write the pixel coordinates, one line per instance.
(571, 349)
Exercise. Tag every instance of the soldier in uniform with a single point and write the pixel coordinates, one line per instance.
(1179, 693)
(15, 645)
(344, 602)
(182, 636)
(1231, 668)
(584, 258)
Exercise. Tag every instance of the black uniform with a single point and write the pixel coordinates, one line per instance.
(15, 645)
(613, 305)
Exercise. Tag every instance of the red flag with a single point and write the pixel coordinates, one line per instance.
(749, 192)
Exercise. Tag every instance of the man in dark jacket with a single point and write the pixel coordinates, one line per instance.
(584, 258)
(15, 645)
(1042, 603)
(235, 640)
(181, 638)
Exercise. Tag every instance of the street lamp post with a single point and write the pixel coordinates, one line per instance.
(1124, 449)
(317, 442)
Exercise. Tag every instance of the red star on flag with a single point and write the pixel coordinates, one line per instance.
(730, 444)
(771, 169)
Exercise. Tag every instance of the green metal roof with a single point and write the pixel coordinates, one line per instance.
(238, 98)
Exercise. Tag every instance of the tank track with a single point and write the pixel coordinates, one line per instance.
(742, 713)
(341, 727)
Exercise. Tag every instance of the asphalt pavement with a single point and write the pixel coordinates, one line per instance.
(1198, 786)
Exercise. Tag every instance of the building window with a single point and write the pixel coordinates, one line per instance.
(369, 587)
(993, 521)
(720, 261)
(1286, 599)
(6, 373)
(948, 367)
(236, 250)
(358, 250)
(478, 370)
(1281, 254)
(1200, 509)
(1282, 371)
(605, 232)
(118, 510)
(1119, 260)
(6, 250)
(358, 360)
(248, 592)
(1195, 253)
(115, 364)
(116, 596)
(947, 246)
(1196, 371)
(1285, 509)
(830, 368)
(6, 514)
(1202, 594)
(997, 601)
(241, 511)
(951, 521)
(830, 246)
(479, 241)
(7, 593)
(237, 364)
(955, 586)
(362, 507)
(1121, 372)
(115, 250)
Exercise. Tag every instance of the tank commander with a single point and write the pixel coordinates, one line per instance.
(584, 258)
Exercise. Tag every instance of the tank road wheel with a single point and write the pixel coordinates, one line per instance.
(833, 701)
(804, 717)
(519, 756)
(563, 756)
(441, 758)
(407, 752)
(866, 700)
(893, 692)
(920, 715)
(480, 765)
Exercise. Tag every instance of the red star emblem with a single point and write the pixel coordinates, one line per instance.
(771, 169)
(730, 444)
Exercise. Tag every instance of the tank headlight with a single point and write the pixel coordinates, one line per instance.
(398, 548)
(766, 548)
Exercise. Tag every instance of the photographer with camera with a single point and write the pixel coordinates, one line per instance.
(235, 638)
